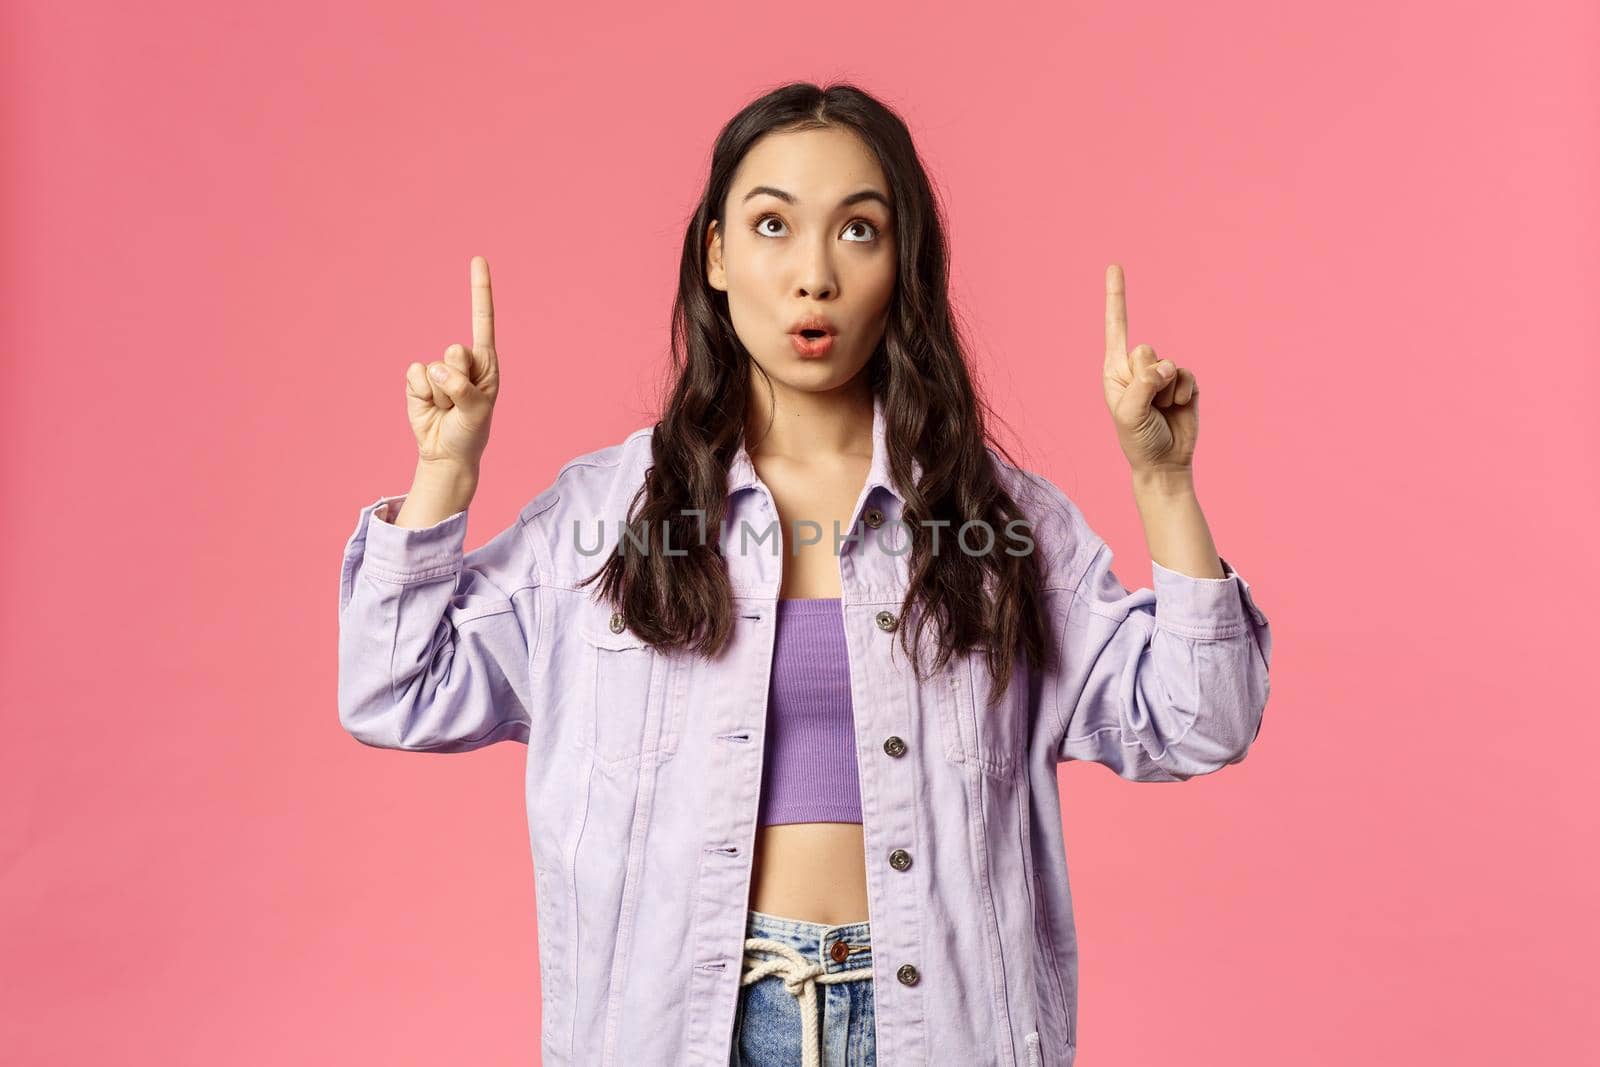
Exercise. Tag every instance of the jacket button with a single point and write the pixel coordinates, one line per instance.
(886, 620)
(839, 952)
(894, 746)
(899, 859)
(874, 518)
(617, 622)
(907, 974)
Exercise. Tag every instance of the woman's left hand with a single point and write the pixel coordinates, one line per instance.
(1157, 417)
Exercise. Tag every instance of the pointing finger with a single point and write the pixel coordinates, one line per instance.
(1116, 315)
(482, 309)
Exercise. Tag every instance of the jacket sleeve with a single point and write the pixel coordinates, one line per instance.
(1159, 685)
(434, 645)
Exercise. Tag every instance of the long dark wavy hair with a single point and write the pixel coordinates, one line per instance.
(932, 412)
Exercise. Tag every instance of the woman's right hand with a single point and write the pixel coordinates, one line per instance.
(450, 418)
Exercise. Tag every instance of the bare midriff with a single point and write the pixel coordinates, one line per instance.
(813, 871)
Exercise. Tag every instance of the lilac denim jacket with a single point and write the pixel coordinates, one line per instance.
(644, 766)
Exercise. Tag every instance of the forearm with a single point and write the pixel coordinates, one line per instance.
(436, 494)
(1175, 528)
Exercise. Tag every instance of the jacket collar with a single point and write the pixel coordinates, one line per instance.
(742, 472)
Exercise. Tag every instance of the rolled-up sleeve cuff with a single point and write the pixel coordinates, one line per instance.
(1204, 608)
(405, 554)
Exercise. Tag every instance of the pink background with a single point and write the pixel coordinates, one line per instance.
(1369, 229)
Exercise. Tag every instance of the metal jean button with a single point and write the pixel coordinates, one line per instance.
(894, 746)
(886, 620)
(907, 974)
(899, 859)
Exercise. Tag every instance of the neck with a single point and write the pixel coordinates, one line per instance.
(794, 424)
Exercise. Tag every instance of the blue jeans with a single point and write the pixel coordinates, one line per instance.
(801, 976)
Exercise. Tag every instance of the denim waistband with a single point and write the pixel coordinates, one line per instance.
(809, 937)
(804, 954)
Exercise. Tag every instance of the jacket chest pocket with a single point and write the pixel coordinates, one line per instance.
(974, 733)
(624, 688)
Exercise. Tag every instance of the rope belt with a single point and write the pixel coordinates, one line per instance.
(800, 977)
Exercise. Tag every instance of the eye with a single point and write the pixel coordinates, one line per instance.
(758, 227)
(863, 222)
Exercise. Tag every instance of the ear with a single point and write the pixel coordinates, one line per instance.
(714, 272)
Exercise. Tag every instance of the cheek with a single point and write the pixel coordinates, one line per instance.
(879, 272)
(877, 281)
(747, 255)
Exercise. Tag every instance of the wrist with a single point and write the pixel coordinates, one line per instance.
(437, 492)
(446, 476)
(1170, 482)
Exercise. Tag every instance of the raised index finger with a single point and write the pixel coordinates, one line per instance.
(482, 307)
(1116, 314)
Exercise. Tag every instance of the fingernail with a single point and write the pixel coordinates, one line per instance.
(1165, 369)
(438, 374)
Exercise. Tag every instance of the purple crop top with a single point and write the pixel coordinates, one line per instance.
(809, 774)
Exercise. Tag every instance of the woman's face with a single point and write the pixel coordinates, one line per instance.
(802, 240)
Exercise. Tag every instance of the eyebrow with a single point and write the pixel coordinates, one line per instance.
(790, 198)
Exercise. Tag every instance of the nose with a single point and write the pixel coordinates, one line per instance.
(817, 278)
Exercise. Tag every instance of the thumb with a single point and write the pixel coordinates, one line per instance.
(1148, 380)
(458, 387)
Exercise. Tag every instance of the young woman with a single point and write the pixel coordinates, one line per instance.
(796, 664)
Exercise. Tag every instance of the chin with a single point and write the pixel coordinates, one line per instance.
(814, 376)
